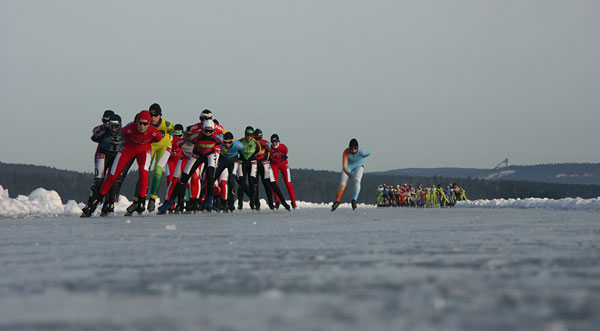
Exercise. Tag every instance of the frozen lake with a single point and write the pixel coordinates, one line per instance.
(373, 269)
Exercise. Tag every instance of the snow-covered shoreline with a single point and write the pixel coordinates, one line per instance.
(537, 203)
(44, 203)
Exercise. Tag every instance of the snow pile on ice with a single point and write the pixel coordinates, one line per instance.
(42, 202)
(39, 203)
(545, 203)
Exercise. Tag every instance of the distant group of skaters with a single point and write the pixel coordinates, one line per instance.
(203, 163)
(422, 196)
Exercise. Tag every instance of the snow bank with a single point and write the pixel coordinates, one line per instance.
(44, 203)
(39, 203)
(558, 204)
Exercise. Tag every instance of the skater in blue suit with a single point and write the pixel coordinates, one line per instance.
(353, 167)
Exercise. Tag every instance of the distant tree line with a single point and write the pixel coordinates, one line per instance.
(560, 173)
(309, 185)
(22, 179)
(564, 173)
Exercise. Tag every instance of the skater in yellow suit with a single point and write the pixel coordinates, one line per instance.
(443, 199)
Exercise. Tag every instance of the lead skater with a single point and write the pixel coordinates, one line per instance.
(353, 167)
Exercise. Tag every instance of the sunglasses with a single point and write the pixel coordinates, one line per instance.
(143, 123)
(208, 131)
(154, 115)
(229, 141)
(274, 141)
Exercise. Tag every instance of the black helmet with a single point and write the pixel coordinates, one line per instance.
(258, 132)
(114, 118)
(206, 114)
(353, 143)
(155, 109)
(249, 131)
(228, 136)
(178, 130)
(106, 116)
(274, 137)
(115, 121)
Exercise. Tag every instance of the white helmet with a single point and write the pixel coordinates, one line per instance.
(208, 124)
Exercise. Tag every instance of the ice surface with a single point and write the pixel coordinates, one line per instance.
(44, 203)
(309, 269)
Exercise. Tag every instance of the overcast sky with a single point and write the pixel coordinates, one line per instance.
(418, 83)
